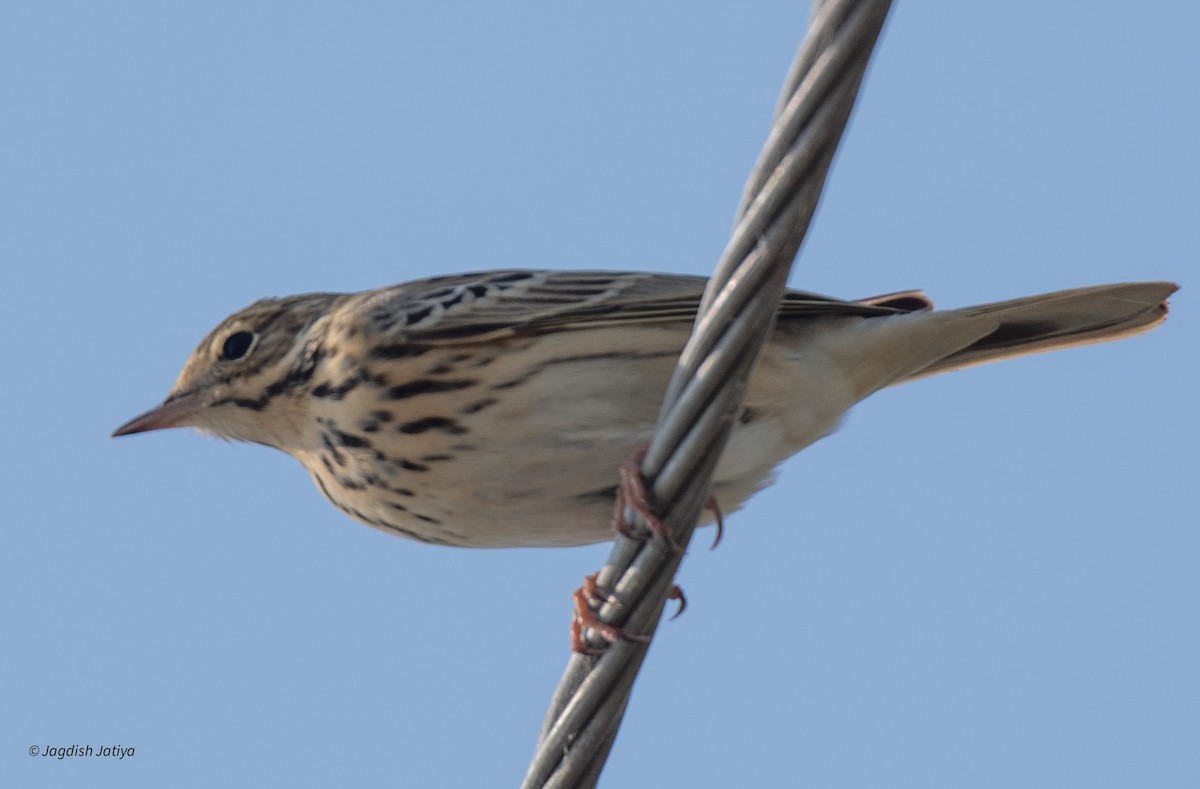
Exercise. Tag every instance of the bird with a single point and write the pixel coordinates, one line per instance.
(493, 409)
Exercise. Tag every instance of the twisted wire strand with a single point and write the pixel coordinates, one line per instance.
(706, 390)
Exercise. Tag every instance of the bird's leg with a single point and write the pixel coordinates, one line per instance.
(632, 493)
(587, 598)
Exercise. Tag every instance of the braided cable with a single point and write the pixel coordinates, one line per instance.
(706, 390)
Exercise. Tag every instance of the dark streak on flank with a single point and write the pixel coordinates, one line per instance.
(413, 534)
(400, 350)
(422, 386)
(581, 358)
(376, 522)
(444, 424)
(478, 405)
(604, 494)
(374, 420)
(331, 450)
(352, 441)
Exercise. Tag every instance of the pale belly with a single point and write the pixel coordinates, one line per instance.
(528, 454)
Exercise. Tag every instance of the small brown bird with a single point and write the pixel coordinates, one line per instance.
(493, 409)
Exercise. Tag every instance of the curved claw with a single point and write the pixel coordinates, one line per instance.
(718, 518)
(676, 593)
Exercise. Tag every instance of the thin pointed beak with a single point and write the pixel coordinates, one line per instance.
(174, 412)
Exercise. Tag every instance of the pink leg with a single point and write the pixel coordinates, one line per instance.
(585, 618)
(632, 493)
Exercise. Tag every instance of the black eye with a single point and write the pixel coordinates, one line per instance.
(237, 345)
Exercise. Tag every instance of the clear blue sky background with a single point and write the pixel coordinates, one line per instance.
(988, 579)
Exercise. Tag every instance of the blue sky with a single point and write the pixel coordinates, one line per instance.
(986, 579)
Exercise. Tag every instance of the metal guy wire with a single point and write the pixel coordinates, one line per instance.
(705, 393)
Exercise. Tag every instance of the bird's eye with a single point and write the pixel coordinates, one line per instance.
(237, 345)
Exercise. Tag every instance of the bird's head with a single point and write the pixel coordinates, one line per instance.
(237, 381)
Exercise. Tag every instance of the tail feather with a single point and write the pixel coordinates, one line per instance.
(1058, 320)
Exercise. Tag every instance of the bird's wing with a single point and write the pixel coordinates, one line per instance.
(470, 308)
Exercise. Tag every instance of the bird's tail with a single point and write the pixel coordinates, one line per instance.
(877, 352)
(1057, 320)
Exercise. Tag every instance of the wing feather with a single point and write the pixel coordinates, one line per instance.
(473, 308)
